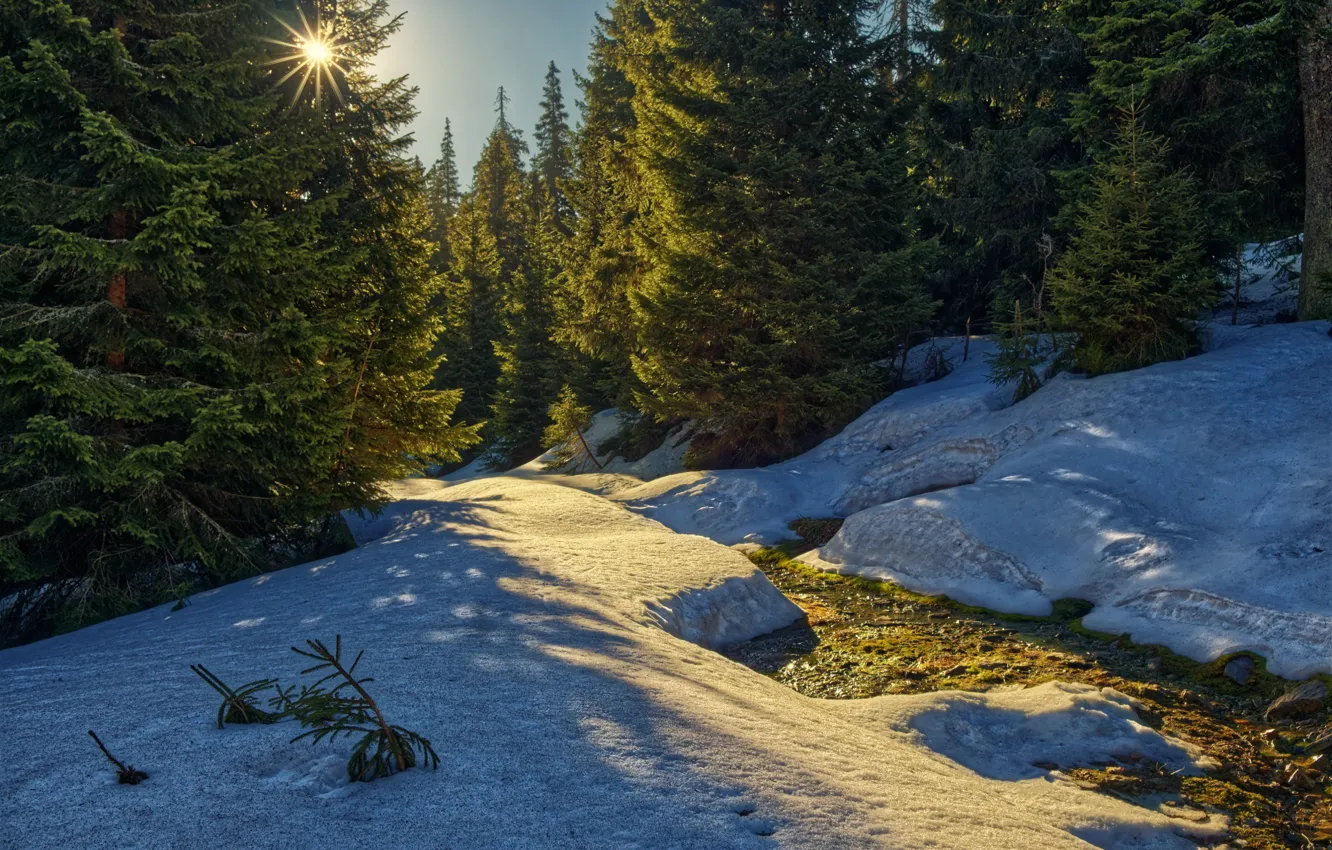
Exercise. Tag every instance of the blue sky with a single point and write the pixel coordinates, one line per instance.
(458, 52)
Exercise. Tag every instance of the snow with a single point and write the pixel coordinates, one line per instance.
(530, 631)
(1190, 501)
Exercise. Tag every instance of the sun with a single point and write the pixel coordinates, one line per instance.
(315, 52)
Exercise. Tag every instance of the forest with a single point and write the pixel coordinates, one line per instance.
(233, 303)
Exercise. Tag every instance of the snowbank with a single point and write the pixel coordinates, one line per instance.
(518, 625)
(1191, 501)
(735, 506)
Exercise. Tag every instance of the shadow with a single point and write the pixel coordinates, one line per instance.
(1025, 742)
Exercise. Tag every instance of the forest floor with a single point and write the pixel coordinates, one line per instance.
(863, 638)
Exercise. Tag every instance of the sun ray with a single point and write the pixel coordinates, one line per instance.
(301, 88)
(316, 51)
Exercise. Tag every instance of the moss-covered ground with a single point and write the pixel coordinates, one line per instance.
(864, 638)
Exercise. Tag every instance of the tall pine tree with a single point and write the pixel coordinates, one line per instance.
(214, 324)
(1219, 80)
(992, 141)
(780, 255)
(600, 259)
(443, 194)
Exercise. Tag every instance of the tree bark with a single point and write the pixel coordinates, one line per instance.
(1316, 89)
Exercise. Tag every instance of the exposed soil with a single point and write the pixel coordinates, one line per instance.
(864, 638)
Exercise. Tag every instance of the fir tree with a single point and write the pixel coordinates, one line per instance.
(1219, 80)
(552, 162)
(1135, 276)
(600, 259)
(443, 194)
(472, 293)
(1316, 89)
(780, 259)
(568, 420)
(214, 297)
(530, 372)
(992, 142)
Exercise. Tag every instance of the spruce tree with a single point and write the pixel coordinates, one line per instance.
(780, 259)
(1316, 89)
(214, 297)
(1135, 276)
(472, 293)
(600, 259)
(552, 162)
(443, 195)
(1219, 80)
(992, 142)
(532, 366)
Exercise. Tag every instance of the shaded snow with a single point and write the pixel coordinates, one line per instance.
(527, 629)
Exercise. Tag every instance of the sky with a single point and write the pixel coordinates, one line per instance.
(458, 52)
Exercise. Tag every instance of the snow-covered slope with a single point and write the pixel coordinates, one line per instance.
(1191, 501)
(519, 626)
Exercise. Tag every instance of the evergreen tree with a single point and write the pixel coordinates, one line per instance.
(531, 367)
(600, 260)
(552, 162)
(443, 195)
(1219, 80)
(1135, 276)
(780, 259)
(993, 139)
(472, 293)
(1316, 88)
(214, 327)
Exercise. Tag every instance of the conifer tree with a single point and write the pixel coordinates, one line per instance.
(531, 367)
(472, 297)
(214, 300)
(1316, 89)
(993, 139)
(1219, 80)
(443, 194)
(780, 259)
(552, 162)
(1135, 276)
(600, 259)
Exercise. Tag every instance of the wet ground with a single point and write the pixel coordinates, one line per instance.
(865, 638)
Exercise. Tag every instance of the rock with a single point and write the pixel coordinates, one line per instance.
(1045, 765)
(955, 671)
(1303, 700)
(1174, 810)
(747, 548)
(1299, 779)
(1240, 669)
(1154, 664)
(1319, 742)
(1271, 735)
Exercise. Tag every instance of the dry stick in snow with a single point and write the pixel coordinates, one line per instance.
(588, 449)
(126, 775)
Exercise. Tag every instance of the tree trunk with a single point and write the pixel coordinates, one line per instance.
(1316, 86)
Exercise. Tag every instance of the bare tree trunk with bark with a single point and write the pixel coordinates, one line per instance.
(1316, 86)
